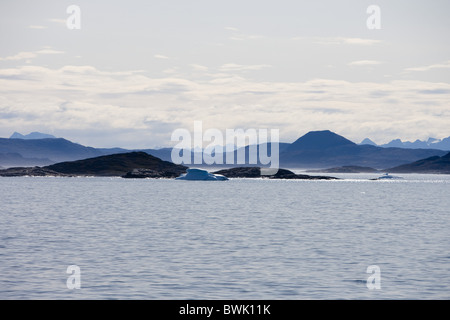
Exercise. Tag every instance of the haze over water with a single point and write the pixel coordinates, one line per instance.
(237, 239)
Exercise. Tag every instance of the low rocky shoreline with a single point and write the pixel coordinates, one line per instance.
(139, 165)
(31, 172)
(126, 165)
(255, 172)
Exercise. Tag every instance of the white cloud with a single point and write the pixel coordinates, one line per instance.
(57, 20)
(160, 56)
(445, 65)
(20, 56)
(49, 51)
(359, 41)
(37, 27)
(85, 101)
(27, 55)
(340, 40)
(365, 63)
(230, 67)
(172, 70)
(198, 67)
(243, 37)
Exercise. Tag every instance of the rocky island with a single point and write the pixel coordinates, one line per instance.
(138, 165)
(127, 165)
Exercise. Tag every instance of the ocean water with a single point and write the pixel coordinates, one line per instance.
(237, 239)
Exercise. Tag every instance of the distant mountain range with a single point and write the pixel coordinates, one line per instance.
(431, 143)
(32, 136)
(15, 159)
(316, 149)
(53, 150)
(37, 149)
(324, 149)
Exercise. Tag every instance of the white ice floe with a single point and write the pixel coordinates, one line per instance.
(198, 174)
(387, 176)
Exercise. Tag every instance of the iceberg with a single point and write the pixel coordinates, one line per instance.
(198, 174)
(388, 176)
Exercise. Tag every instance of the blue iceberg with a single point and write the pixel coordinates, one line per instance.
(198, 174)
(388, 176)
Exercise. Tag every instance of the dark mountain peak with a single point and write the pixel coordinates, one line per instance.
(320, 140)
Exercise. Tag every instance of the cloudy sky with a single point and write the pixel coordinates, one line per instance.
(137, 70)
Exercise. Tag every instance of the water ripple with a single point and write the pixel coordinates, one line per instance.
(243, 239)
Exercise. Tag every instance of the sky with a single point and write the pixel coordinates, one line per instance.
(135, 71)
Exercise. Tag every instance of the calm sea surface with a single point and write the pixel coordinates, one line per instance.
(237, 239)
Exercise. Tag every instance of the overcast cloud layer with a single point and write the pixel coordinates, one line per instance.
(136, 71)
